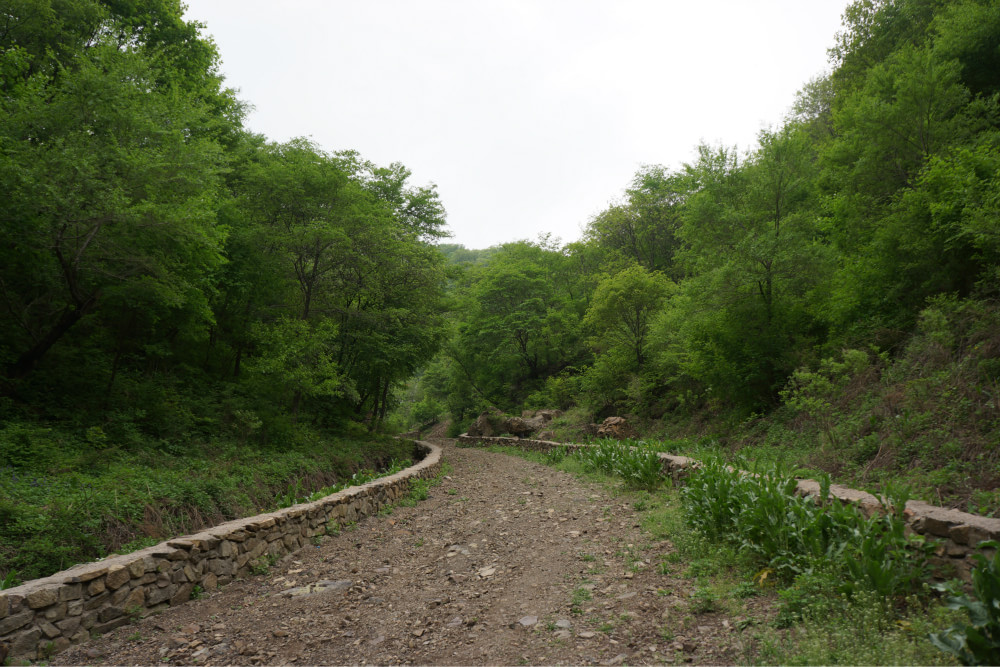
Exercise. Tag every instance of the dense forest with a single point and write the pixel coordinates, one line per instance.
(176, 291)
(837, 283)
(162, 268)
(180, 294)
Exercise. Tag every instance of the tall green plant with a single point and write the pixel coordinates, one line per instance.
(761, 515)
(976, 642)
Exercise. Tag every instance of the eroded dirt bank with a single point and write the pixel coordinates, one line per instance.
(496, 567)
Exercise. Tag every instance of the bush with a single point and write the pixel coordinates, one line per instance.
(762, 516)
(976, 642)
(635, 462)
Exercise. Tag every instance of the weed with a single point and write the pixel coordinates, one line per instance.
(579, 597)
(867, 629)
(638, 464)
(761, 515)
(263, 565)
(120, 495)
(745, 589)
(975, 642)
(702, 601)
(137, 544)
(9, 581)
(135, 637)
(197, 592)
(557, 454)
(419, 491)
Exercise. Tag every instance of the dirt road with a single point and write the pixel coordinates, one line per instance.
(507, 562)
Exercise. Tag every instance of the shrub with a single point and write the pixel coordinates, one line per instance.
(976, 642)
(761, 515)
(635, 462)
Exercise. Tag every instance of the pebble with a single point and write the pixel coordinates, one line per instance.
(528, 621)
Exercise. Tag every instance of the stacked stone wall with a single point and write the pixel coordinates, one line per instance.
(958, 533)
(45, 616)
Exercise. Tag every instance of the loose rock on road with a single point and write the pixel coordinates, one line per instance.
(507, 562)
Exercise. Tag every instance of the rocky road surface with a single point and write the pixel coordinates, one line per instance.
(507, 562)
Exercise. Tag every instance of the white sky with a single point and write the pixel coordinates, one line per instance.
(530, 115)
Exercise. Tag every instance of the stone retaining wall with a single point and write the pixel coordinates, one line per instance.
(958, 533)
(47, 615)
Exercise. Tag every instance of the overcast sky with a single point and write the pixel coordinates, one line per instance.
(530, 115)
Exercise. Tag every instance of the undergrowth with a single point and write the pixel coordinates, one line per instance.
(635, 462)
(760, 514)
(924, 414)
(78, 507)
(841, 588)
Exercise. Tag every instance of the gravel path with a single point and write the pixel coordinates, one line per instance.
(482, 572)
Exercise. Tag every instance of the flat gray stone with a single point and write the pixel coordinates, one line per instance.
(323, 586)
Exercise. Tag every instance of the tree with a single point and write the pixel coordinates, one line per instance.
(644, 227)
(519, 321)
(110, 201)
(347, 243)
(754, 260)
(622, 308)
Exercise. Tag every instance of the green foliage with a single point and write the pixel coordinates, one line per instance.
(426, 410)
(875, 200)
(794, 536)
(637, 464)
(297, 494)
(419, 491)
(622, 307)
(263, 565)
(52, 519)
(976, 642)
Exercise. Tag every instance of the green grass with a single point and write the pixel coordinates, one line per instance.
(579, 597)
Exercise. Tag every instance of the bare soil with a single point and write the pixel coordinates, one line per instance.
(482, 572)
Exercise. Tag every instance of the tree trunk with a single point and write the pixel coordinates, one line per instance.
(27, 361)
